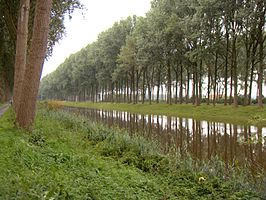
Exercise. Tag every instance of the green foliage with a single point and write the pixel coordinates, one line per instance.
(93, 65)
(8, 34)
(68, 158)
(37, 138)
(178, 44)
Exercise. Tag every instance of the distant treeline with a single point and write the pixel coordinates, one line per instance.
(182, 51)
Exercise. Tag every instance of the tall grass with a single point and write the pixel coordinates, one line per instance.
(145, 155)
(67, 157)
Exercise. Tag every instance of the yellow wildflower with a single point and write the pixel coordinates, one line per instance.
(202, 179)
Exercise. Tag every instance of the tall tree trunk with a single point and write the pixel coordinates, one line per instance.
(158, 86)
(137, 87)
(21, 50)
(176, 87)
(133, 85)
(209, 85)
(234, 66)
(188, 82)
(215, 78)
(5, 89)
(231, 86)
(169, 84)
(261, 53)
(200, 81)
(181, 85)
(197, 99)
(246, 76)
(260, 76)
(149, 92)
(124, 90)
(226, 64)
(97, 98)
(127, 88)
(91, 93)
(112, 91)
(117, 91)
(35, 60)
(102, 93)
(193, 98)
(143, 85)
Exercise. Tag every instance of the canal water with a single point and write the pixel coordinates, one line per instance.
(235, 144)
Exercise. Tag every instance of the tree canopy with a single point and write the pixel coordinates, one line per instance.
(187, 51)
(8, 30)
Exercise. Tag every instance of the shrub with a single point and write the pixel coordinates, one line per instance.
(53, 105)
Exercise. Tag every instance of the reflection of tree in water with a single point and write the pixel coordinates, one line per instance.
(203, 140)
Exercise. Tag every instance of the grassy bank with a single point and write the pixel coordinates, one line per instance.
(240, 115)
(66, 157)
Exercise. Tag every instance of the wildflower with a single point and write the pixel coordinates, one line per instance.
(202, 179)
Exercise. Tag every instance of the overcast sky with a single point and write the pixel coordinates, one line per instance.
(83, 29)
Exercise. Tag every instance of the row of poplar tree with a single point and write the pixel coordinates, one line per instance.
(28, 32)
(181, 51)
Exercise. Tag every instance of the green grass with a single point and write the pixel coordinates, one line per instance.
(219, 113)
(66, 157)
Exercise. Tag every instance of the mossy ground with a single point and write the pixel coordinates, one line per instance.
(66, 157)
(252, 115)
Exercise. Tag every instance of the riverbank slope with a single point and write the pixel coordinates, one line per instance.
(251, 115)
(66, 157)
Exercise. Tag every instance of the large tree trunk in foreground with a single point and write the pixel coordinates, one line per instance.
(35, 60)
(5, 90)
(21, 50)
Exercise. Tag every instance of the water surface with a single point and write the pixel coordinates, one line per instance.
(235, 144)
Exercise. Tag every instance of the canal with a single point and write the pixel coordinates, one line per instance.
(235, 144)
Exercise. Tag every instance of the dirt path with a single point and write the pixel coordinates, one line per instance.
(3, 109)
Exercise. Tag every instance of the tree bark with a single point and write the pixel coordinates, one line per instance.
(246, 75)
(235, 75)
(143, 85)
(158, 86)
(21, 50)
(149, 92)
(169, 84)
(188, 82)
(231, 86)
(261, 53)
(215, 79)
(176, 86)
(35, 60)
(226, 63)
(181, 85)
(200, 81)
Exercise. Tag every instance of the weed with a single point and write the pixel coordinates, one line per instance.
(37, 138)
(67, 157)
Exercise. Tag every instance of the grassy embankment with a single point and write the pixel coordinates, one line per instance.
(66, 157)
(219, 113)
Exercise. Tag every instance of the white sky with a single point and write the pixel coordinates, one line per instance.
(84, 29)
